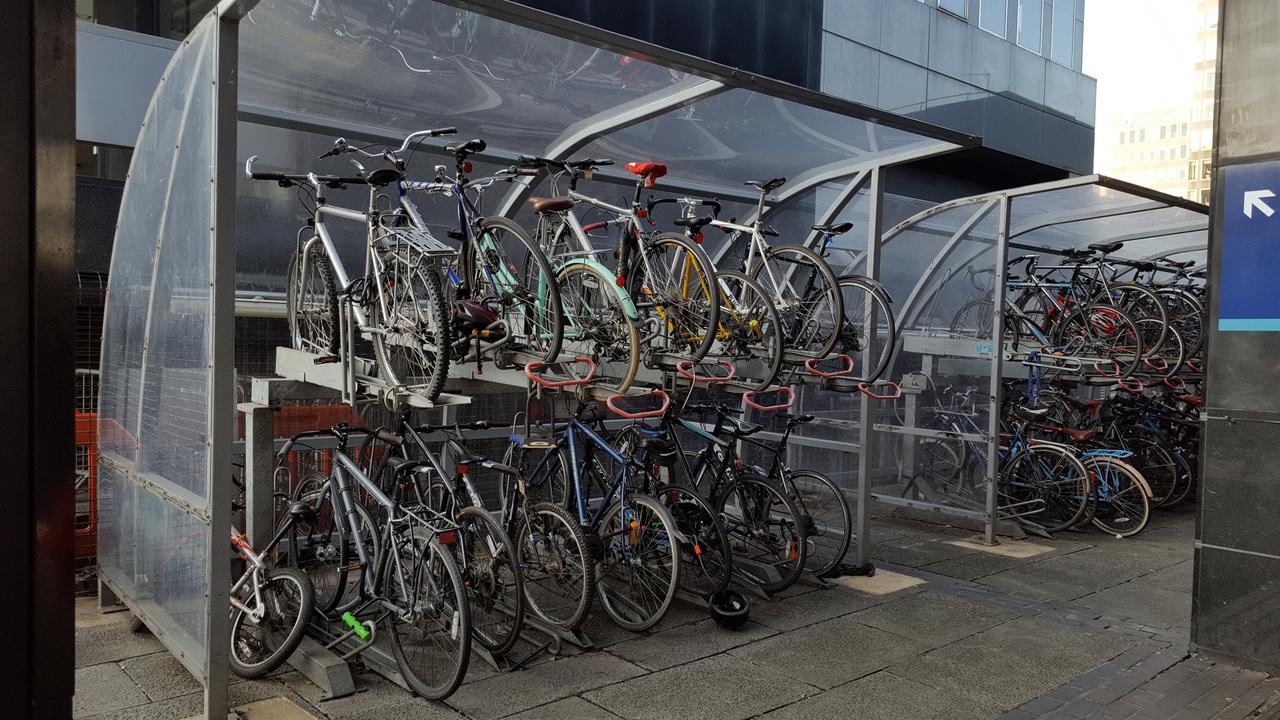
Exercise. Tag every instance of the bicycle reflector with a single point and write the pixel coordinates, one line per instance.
(462, 469)
(466, 166)
(447, 538)
(697, 237)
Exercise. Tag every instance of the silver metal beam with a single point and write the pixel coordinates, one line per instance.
(909, 305)
(838, 204)
(581, 133)
(866, 436)
(997, 371)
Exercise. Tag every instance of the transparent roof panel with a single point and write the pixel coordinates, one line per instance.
(1100, 210)
(366, 72)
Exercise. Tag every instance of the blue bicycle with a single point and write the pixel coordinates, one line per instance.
(632, 537)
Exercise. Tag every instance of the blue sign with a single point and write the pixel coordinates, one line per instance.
(1250, 300)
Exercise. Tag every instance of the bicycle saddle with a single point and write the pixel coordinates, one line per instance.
(468, 147)
(1183, 265)
(769, 186)
(400, 464)
(384, 176)
(650, 171)
(695, 223)
(1106, 248)
(542, 205)
(740, 427)
(1074, 434)
(834, 229)
(1144, 266)
(1030, 412)
(302, 510)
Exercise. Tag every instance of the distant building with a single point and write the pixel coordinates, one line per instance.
(1171, 149)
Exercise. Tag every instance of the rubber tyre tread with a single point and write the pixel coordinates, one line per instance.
(306, 606)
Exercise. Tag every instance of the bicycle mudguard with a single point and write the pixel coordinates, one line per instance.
(623, 296)
(875, 285)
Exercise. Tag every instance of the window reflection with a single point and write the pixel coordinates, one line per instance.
(166, 18)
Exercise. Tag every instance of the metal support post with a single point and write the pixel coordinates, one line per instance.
(997, 371)
(866, 432)
(259, 480)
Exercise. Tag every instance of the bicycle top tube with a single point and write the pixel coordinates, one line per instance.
(595, 202)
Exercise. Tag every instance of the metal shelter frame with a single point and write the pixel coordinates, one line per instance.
(207, 81)
(1092, 207)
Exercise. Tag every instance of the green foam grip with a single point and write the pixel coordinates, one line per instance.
(356, 626)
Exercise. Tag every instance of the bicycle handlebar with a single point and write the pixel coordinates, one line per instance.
(666, 402)
(690, 202)
(287, 179)
(474, 425)
(389, 437)
(532, 369)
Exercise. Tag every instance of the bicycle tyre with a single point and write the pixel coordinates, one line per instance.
(1054, 475)
(750, 332)
(331, 565)
(313, 321)
(531, 298)
(828, 521)
(554, 591)
(610, 338)
(747, 505)
(1131, 515)
(497, 603)
(413, 349)
(297, 626)
(815, 330)
(453, 620)
(1090, 329)
(706, 564)
(649, 521)
(695, 275)
(858, 299)
(1139, 302)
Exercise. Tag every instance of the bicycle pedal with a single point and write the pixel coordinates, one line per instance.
(327, 360)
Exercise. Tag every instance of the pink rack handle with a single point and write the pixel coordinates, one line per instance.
(1156, 363)
(1130, 385)
(812, 366)
(666, 402)
(894, 394)
(748, 398)
(1175, 383)
(684, 369)
(1105, 371)
(531, 372)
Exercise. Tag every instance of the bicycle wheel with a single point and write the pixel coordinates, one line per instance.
(637, 578)
(311, 302)
(868, 326)
(1158, 468)
(511, 270)
(1102, 332)
(325, 549)
(672, 283)
(706, 564)
(598, 325)
(828, 522)
(413, 347)
(1046, 484)
(431, 640)
(1122, 506)
(1186, 314)
(1139, 303)
(804, 291)
(559, 577)
(491, 573)
(1186, 481)
(766, 532)
(750, 333)
(259, 646)
(973, 320)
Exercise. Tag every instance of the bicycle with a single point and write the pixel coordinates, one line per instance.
(632, 536)
(403, 572)
(397, 305)
(663, 281)
(271, 607)
(504, 294)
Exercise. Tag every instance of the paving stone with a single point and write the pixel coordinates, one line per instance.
(687, 643)
(830, 653)
(574, 708)
(112, 642)
(933, 619)
(1142, 602)
(513, 692)
(104, 688)
(276, 708)
(914, 551)
(720, 687)
(191, 705)
(1033, 587)
(974, 566)
(883, 696)
(813, 607)
(1175, 577)
(372, 691)
(411, 708)
(161, 676)
(1014, 662)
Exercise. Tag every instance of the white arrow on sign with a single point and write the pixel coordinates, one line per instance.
(1254, 199)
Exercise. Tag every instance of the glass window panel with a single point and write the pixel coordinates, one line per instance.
(993, 16)
(1030, 27)
(955, 7)
(1062, 34)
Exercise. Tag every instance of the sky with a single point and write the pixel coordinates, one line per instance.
(1142, 52)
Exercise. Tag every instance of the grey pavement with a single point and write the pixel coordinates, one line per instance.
(1087, 626)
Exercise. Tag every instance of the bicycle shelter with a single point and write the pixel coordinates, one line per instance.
(198, 244)
(948, 328)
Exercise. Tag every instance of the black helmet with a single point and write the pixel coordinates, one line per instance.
(729, 609)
